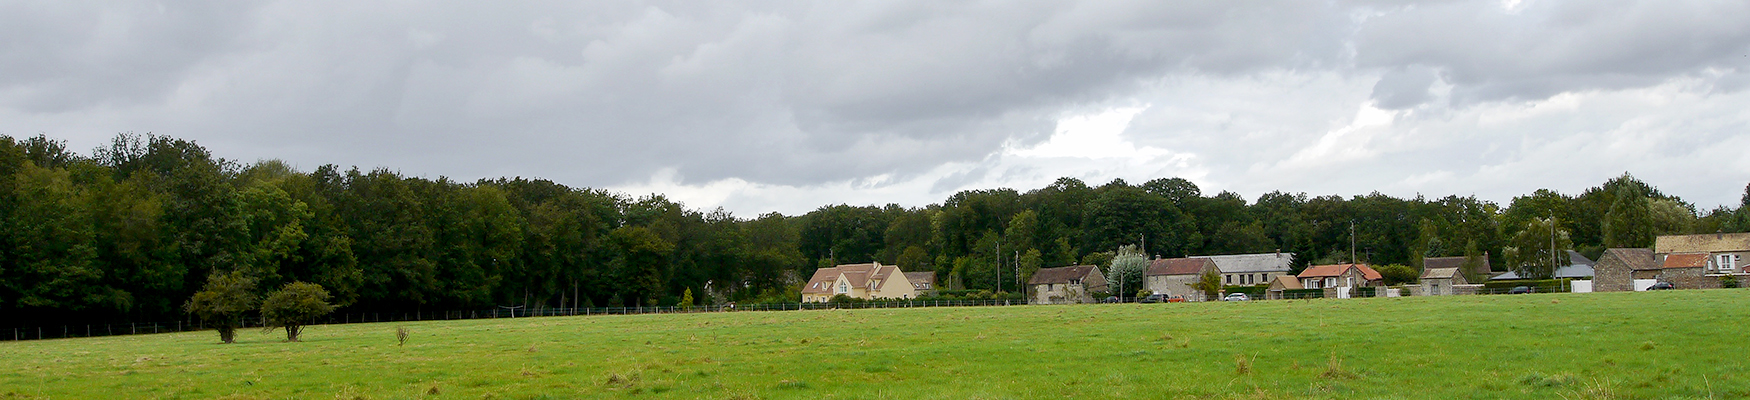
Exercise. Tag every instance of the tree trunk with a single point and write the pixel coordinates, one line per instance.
(227, 334)
(292, 332)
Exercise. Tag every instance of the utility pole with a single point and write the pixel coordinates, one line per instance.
(1351, 241)
(1552, 243)
(999, 265)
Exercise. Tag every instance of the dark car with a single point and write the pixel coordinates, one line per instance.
(1662, 286)
(1521, 290)
(1153, 298)
(1110, 299)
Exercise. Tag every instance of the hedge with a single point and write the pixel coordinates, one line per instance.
(1303, 293)
(1252, 291)
(1541, 285)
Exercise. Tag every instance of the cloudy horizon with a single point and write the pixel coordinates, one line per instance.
(789, 106)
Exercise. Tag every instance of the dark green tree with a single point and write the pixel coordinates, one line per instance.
(294, 306)
(223, 302)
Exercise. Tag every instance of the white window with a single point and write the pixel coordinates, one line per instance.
(844, 288)
(1728, 263)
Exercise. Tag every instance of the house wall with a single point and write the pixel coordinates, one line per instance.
(1689, 278)
(1249, 278)
(1174, 285)
(896, 287)
(1060, 293)
(1611, 275)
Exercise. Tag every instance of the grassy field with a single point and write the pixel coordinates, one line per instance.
(1672, 344)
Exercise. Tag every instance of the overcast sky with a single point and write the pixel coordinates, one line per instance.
(788, 106)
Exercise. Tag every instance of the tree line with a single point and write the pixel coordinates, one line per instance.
(133, 229)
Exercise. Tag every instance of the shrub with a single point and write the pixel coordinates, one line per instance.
(401, 335)
(1728, 281)
(295, 305)
(223, 302)
(1303, 293)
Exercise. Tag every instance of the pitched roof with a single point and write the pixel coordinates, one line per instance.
(1691, 260)
(1060, 274)
(822, 281)
(1178, 266)
(1321, 271)
(1575, 258)
(1505, 276)
(1454, 262)
(1702, 243)
(860, 276)
(1247, 263)
(1575, 271)
(1286, 282)
(1439, 273)
(1635, 259)
(921, 280)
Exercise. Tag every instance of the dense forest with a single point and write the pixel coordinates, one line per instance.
(131, 230)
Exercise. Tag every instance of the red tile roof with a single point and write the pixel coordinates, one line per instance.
(1178, 266)
(1697, 260)
(1321, 271)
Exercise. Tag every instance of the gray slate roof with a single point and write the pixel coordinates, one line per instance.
(1249, 263)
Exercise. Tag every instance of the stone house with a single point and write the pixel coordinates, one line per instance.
(1175, 276)
(1702, 261)
(1066, 285)
(1252, 269)
(1617, 269)
(861, 281)
(1281, 284)
(1444, 282)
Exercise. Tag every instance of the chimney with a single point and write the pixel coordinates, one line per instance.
(1278, 252)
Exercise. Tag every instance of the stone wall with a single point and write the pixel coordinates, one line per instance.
(1611, 277)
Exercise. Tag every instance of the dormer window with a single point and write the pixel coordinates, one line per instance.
(844, 288)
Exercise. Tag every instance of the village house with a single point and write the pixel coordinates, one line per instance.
(1701, 261)
(859, 281)
(1252, 269)
(1617, 270)
(1338, 280)
(1066, 285)
(1175, 276)
(1444, 282)
(1281, 285)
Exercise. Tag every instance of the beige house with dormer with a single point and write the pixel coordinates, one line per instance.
(870, 281)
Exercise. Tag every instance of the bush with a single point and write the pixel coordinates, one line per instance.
(223, 302)
(1728, 281)
(295, 305)
(1365, 291)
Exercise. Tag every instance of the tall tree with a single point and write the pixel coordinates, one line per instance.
(1536, 252)
(1629, 222)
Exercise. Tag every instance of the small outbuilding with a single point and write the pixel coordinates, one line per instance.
(1066, 285)
(1280, 285)
(1442, 281)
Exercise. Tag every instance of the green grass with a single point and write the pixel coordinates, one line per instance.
(1672, 344)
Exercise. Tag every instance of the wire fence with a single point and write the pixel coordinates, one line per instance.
(65, 331)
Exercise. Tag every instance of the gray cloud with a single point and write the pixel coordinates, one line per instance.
(807, 93)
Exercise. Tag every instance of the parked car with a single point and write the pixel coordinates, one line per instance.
(1521, 290)
(1236, 297)
(1175, 299)
(1110, 299)
(1153, 298)
(1662, 286)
